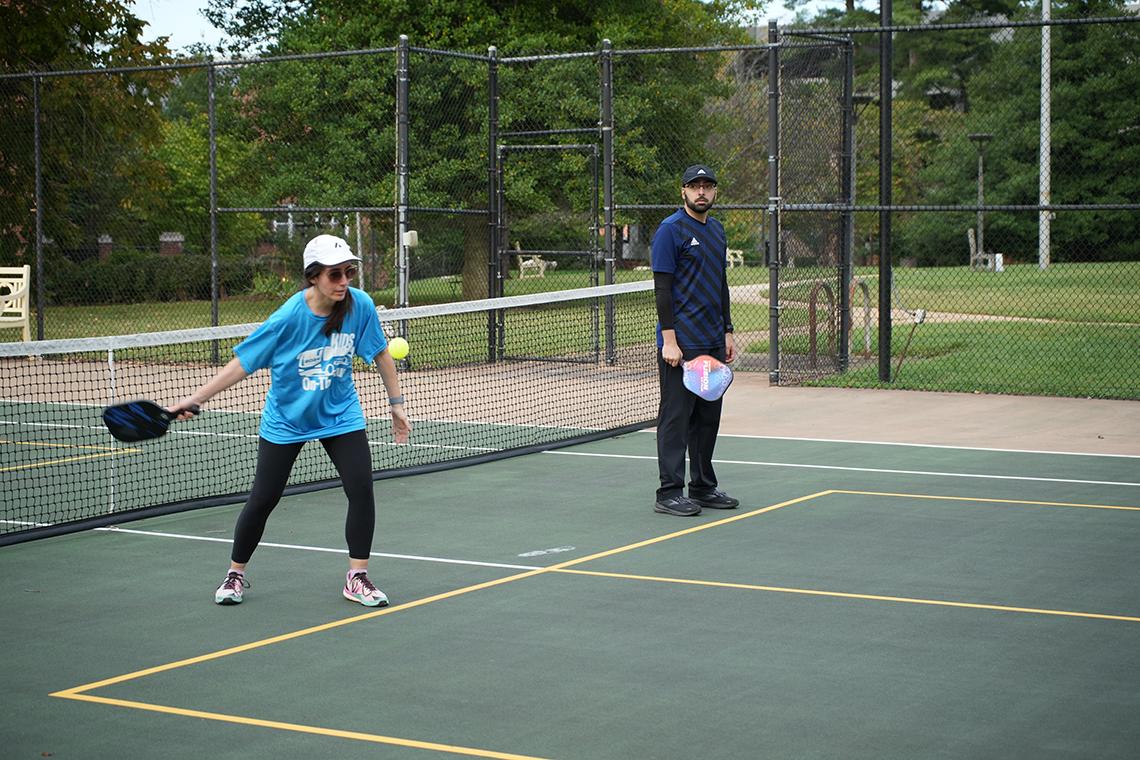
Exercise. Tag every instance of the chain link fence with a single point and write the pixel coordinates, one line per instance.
(1014, 212)
(181, 196)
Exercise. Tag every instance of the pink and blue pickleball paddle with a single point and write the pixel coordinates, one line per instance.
(707, 377)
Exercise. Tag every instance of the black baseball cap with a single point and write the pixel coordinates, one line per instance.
(698, 171)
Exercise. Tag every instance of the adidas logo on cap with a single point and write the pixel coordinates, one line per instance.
(698, 171)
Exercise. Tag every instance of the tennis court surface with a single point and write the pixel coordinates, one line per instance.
(909, 575)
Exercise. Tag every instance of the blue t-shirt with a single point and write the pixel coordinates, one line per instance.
(311, 394)
(696, 255)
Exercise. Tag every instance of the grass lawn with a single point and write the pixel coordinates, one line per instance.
(1065, 292)
(997, 357)
(126, 319)
(1089, 344)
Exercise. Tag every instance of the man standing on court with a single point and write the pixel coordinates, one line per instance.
(691, 287)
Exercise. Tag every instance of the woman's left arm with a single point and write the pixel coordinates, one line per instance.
(401, 426)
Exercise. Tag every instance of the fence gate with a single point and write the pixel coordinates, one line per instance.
(809, 297)
(534, 247)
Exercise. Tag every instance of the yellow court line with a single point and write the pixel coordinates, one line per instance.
(50, 445)
(67, 459)
(105, 451)
(78, 690)
(992, 501)
(685, 532)
(847, 595)
(300, 728)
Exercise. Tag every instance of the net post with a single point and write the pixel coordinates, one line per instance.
(112, 398)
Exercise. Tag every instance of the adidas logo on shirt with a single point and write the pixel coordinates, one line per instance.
(694, 241)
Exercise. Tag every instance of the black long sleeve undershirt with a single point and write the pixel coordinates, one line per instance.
(663, 294)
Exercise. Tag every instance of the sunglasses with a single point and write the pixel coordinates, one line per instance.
(336, 275)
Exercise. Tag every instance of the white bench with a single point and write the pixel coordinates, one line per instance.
(979, 259)
(735, 258)
(531, 266)
(14, 312)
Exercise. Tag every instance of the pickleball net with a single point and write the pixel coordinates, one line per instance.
(484, 380)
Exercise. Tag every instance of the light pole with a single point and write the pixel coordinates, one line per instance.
(980, 139)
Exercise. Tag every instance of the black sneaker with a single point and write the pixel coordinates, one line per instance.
(715, 500)
(677, 505)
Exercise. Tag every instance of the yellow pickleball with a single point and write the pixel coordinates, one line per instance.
(398, 348)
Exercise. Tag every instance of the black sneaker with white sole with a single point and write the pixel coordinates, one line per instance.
(677, 505)
(715, 500)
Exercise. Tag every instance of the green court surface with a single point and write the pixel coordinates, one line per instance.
(866, 601)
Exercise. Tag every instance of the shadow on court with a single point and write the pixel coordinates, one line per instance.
(867, 601)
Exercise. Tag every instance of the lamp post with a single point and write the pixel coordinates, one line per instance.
(980, 139)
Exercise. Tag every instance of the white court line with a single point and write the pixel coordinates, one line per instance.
(863, 469)
(918, 445)
(24, 423)
(443, 560)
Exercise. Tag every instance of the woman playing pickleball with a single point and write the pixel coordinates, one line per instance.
(308, 345)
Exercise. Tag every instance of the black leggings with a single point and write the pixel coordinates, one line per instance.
(353, 461)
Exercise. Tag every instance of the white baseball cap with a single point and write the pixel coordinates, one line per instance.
(328, 250)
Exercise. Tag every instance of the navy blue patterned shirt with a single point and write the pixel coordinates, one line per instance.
(695, 254)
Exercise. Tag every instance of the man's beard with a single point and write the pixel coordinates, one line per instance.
(692, 205)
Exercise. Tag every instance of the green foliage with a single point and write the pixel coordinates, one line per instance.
(321, 132)
(133, 276)
(96, 129)
(957, 82)
(271, 285)
(1095, 143)
(182, 194)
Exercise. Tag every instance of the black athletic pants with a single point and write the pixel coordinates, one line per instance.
(685, 422)
(353, 461)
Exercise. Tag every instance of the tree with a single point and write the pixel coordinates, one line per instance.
(325, 132)
(1095, 136)
(95, 128)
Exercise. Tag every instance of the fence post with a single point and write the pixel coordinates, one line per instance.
(1044, 173)
(401, 171)
(39, 169)
(612, 243)
(773, 204)
(886, 95)
(847, 192)
(212, 113)
(494, 262)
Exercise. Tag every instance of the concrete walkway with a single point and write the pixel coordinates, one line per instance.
(1094, 426)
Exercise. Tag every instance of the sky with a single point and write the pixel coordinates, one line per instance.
(181, 20)
(184, 23)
